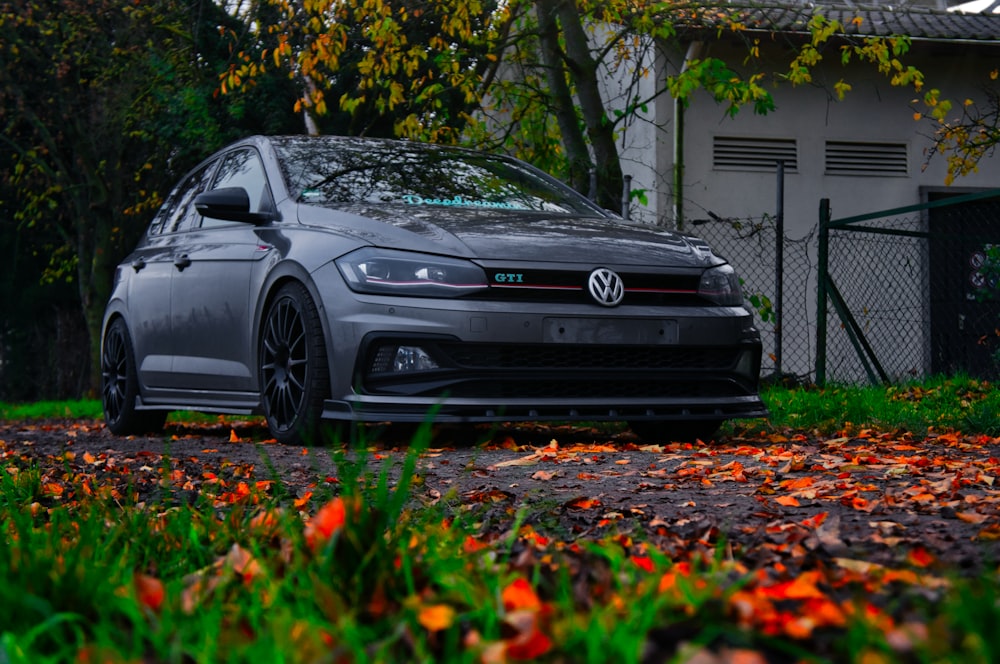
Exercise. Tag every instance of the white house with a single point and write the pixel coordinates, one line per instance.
(864, 153)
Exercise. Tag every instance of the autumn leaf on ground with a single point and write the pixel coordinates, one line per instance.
(328, 520)
(149, 591)
(519, 595)
(436, 617)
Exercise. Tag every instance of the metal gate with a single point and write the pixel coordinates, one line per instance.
(910, 292)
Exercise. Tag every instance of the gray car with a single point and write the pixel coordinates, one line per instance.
(344, 279)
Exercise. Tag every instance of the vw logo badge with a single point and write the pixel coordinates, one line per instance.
(606, 287)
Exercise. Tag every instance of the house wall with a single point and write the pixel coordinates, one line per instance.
(807, 117)
(873, 111)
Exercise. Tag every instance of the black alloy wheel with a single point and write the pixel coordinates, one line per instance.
(293, 366)
(120, 386)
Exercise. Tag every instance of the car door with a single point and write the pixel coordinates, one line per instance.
(149, 290)
(210, 289)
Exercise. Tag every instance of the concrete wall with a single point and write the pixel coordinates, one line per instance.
(873, 111)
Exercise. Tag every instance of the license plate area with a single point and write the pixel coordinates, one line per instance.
(631, 331)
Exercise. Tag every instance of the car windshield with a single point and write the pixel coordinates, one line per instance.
(341, 172)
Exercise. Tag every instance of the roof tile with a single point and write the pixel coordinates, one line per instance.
(915, 22)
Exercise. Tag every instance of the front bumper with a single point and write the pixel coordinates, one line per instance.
(544, 361)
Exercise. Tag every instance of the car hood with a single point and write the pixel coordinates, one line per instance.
(512, 235)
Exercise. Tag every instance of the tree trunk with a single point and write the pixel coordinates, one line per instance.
(95, 288)
(581, 63)
(562, 97)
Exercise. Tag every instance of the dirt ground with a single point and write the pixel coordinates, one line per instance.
(865, 499)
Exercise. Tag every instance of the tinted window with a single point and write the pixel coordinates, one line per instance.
(243, 168)
(342, 172)
(178, 212)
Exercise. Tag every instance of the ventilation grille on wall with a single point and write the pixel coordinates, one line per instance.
(848, 158)
(754, 154)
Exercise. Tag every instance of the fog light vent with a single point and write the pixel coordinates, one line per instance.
(402, 359)
(413, 358)
(382, 362)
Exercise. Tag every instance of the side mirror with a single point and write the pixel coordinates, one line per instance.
(229, 204)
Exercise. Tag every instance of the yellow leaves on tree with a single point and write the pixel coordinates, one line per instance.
(398, 54)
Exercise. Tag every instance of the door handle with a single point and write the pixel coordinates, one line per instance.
(182, 262)
(138, 264)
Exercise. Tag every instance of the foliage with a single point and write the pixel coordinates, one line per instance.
(391, 68)
(968, 138)
(104, 104)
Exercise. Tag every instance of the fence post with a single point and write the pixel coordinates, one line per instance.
(822, 274)
(779, 269)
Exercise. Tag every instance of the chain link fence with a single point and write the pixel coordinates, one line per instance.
(750, 246)
(909, 292)
(878, 318)
(913, 292)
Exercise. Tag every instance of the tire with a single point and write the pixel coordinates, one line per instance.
(294, 378)
(683, 431)
(120, 386)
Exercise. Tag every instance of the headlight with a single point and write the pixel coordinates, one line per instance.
(721, 285)
(388, 272)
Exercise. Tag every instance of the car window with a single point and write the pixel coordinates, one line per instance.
(342, 172)
(243, 168)
(178, 212)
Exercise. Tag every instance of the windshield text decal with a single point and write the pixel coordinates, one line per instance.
(460, 201)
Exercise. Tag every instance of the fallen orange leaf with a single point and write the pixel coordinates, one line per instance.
(584, 503)
(53, 488)
(519, 595)
(800, 483)
(920, 557)
(801, 587)
(643, 562)
(436, 617)
(528, 642)
(303, 500)
(329, 519)
(149, 591)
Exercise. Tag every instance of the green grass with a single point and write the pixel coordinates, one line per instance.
(83, 409)
(109, 578)
(90, 409)
(959, 404)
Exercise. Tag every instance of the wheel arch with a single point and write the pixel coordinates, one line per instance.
(282, 274)
(114, 311)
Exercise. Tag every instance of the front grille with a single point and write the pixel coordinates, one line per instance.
(565, 356)
(633, 297)
(559, 371)
(570, 286)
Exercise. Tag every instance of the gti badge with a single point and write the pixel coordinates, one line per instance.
(606, 287)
